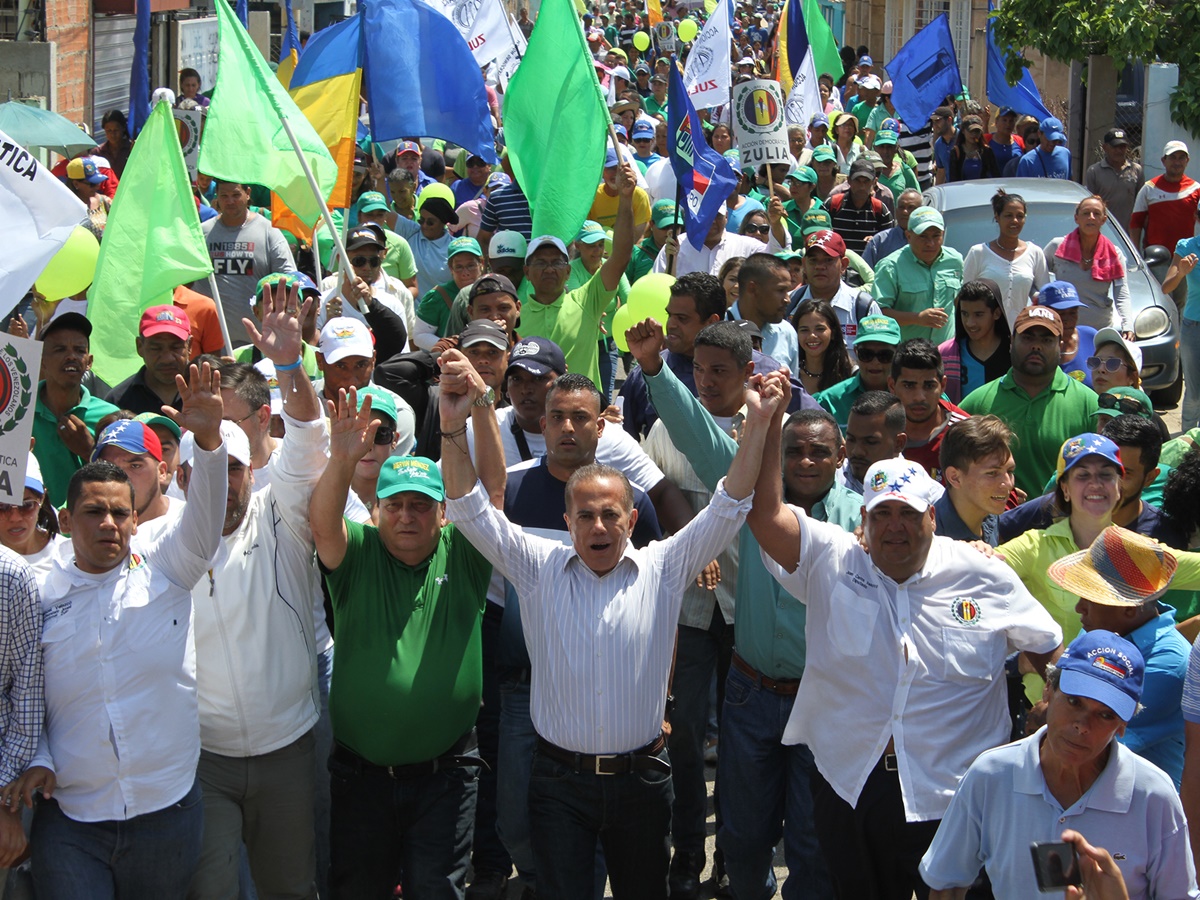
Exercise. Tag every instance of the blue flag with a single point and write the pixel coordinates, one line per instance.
(422, 79)
(706, 178)
(243, 12)
(1024, 96)
(291, 34)
(924, 73)
(139, 73)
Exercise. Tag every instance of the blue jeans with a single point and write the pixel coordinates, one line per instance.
(488, 853)
(629, 814)
(1189, 358)
(608, 367)
(382, 826)
(765, 795)
(151, 855)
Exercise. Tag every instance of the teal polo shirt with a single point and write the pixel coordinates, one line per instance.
(1040, 424)
(58, 463)
(838, 399)
(904, 283)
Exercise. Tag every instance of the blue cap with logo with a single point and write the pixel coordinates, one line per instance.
(1082, 446)
(1059, 295)
(1104, 667)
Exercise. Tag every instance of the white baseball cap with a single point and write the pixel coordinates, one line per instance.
(1175, 147)
(342, 337)
(538, 242)
(1112, 336)
(899, 479)
(237, 445)
(507, 245)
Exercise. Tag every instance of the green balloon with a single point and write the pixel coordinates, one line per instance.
(622, 321)
(72, 268)
(641, 40)
(687, 30)
(648, 297)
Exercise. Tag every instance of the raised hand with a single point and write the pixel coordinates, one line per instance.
(351, 429)
(461, 386)
(765, 394)
(646, 341)
(203, 407)
(775, 210)
(281, 339)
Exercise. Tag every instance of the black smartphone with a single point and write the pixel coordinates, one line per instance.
(1055, 865)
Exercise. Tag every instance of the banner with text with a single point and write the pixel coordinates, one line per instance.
(20, 362)
(759, 123)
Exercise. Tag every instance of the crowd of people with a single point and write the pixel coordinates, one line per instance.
(412, 584)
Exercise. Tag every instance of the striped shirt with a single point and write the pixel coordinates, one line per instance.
(22, 678)
(600, 647)
(508, 210)
(920, 144)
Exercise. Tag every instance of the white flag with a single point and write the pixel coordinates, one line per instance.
(483, 24)
(706, 75)
(804, 100)
(40, 212)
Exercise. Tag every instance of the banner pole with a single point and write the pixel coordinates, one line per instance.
(216, 295)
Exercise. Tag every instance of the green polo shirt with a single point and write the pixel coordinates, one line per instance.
(434, 309)
(573, 322)
(904, 283)
(900, 181)
(1030, 555)
(653, 108)
(410, 670)
(642, 259)
(838, 399)
(1040, 423)
(793, 217)
(58, 463)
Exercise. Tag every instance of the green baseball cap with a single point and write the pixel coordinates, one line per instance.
(153, 419)
(592, 232)
(878, 329)
(816, 219)
(1111, 405)
(372, 201)
(788, 255)
(887, 137)
(464, 245)
(663, 213)
(400, 474)
(382, 401)
(824, 153)
(804, 173)
(923, 218)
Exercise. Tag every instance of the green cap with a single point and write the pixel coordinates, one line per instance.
(924, 218)
(816, 219)
(153, 419)
(382, 401)
(824, 153)
(591, 233)
(662, 213)
(1114, 407)
(787, 255)
(268, 281)
(887, 137)
(804, 173)
(464, 245)
(399, 474)
(878, 329)
(372, 201)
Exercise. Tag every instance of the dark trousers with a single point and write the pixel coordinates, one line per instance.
(871, 851)
(381, 826)
(629, 814)
(488, 853)
(700, 652)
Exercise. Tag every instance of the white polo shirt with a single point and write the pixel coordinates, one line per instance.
(1003, 805)
(920, 662)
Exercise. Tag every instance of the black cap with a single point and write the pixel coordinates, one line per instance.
(492, 283)
(70, 320)
(365, 235)
(483, 331)
(537, 355)
(862, 167)
(749, 327)
(1117, 138)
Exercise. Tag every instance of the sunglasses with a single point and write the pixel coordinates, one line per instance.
(26, 508)
(883, 356)
(758, 229)
(359, 261)
(1110, 364)
(1124, 405)
(384, 435)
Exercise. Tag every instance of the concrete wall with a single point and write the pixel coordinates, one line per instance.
(27, 69)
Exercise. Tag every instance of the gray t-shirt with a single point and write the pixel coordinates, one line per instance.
(241, 256)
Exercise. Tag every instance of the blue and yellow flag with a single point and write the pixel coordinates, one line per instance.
(289, 49)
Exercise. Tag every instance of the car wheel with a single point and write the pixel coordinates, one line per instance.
(1168, 397)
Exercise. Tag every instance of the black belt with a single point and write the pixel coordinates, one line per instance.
(888, 762)
(348, 757)
(640, 760)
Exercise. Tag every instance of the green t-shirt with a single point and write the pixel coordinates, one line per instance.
(641, 261)
(900, 181)
(838, 399)
(398, 258)
(1040, 423)
(573, 322)
(410, 668)
(58, 463)
(904, 283)
(435, 306)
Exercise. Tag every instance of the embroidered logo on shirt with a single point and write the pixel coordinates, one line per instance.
(136, 561)
(442, 579)
(965, 611)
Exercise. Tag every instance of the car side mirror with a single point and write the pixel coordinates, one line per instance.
(1158, 259)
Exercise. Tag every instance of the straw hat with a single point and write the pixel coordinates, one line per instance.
(1121, 568)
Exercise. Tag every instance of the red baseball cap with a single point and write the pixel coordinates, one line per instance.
(828, 242)
(165, 320)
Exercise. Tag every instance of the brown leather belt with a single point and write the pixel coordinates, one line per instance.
(639, 760)
(786, 687)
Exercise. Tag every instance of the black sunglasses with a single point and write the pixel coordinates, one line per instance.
(360, 261)
(883, 356)
(1109, 364)
(758, 229)
(384, 434)
(1125, 405)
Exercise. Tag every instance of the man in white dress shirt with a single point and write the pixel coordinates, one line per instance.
(720, 245)
(903, 686)
(120, 814)
(600, 771)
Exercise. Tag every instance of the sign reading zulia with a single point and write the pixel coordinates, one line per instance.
(759, 123)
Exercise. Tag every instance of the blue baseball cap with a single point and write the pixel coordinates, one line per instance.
(1052, 128)
(866, 61)
(642, 129)
(1082, 446)
(610, 158)
(1059, 295)
(129, 435)
(819, 120)
(1104, 667)
(620, 130)
(33, 476)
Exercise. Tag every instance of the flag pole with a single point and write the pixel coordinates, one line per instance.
(678, 222)
(216, 295)
(339, 244)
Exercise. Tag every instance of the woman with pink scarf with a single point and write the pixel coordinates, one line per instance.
(1092, 263)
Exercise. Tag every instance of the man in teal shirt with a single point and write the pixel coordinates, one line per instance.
(763, 782)
(875, 346)
(664, 222)
(916, 285)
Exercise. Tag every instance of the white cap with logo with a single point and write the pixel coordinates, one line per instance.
(342, 337)
(507, 245)
(899, 479)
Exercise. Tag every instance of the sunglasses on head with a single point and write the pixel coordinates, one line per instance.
(384, 435)
(884, 356)
(1127, 406)
(758, 229)
(373, 261)
(1109, 364)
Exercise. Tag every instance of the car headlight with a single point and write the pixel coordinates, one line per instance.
(1151, 322)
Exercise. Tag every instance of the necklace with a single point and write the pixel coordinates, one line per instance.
(804, 369)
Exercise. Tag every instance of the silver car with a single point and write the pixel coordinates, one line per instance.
(966, 207)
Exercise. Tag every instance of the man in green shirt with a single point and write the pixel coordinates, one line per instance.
(663, 224)
(66, 417)
(916, 285)
(1040, 403)
(572, 318)
(408, 600)
(875, 346)
(656, 103)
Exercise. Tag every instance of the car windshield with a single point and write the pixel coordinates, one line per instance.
(968, 226)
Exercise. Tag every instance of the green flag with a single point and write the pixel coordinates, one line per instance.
(820, 36)
(555, 123)
(152, 244)
(244, 138)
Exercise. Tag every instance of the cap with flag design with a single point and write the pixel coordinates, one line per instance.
(899, 479)
(1104, 667)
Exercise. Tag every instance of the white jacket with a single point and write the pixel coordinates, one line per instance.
(256, 671)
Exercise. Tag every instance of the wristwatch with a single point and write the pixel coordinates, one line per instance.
(487, 399)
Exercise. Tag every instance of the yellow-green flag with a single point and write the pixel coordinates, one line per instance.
(152, 244)
(244, 139)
